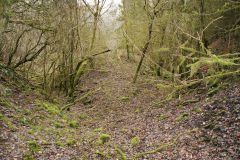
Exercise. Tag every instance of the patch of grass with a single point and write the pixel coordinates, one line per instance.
(29, 132)
(135, 141)
(162, 116)
(183, 116)
(124, 99)
(71, 142)
(73, 124)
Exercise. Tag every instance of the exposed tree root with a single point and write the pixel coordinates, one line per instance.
(172, 142)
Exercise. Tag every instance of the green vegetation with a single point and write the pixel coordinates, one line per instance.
(71, 142)
(103, 154)
(53, 109)
(2, 117)
(137, 111)
(97, 130)
(123, 130)
(197, 109)
(182, 116)
(5, 102)
(124, 99)
(162, 116)
(82, 116)
(34, 146)
(135, 141)
(104, 138)
(190, 101)
(120, 152)
(58, 125)
(215, 90)
(74, 124)
(61, 144)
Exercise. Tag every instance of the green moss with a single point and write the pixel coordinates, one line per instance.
(137, 111)
(34, 146)
(59, 144)
(72, 131)
(58, 125)
(44, 142)
(55, 101)
(162, 116)
(11, 125)
(135, 141)
(73, 124)
(2, 117)
(197, 109)
(120, 152)
(124, 99)
(190, 101)
(215, 90)
(97, 130)
(103, 138)
(71, 142)
(82, 116)
(5, 102)
(29, 132)
(88, 101)
(182, 116)
(124, 130)
(162, 86)
(27, 112)
(103, 154)
(52, 109)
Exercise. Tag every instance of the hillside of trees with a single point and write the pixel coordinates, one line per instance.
(140, 79)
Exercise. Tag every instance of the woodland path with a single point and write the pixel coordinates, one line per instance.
(123, 111)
